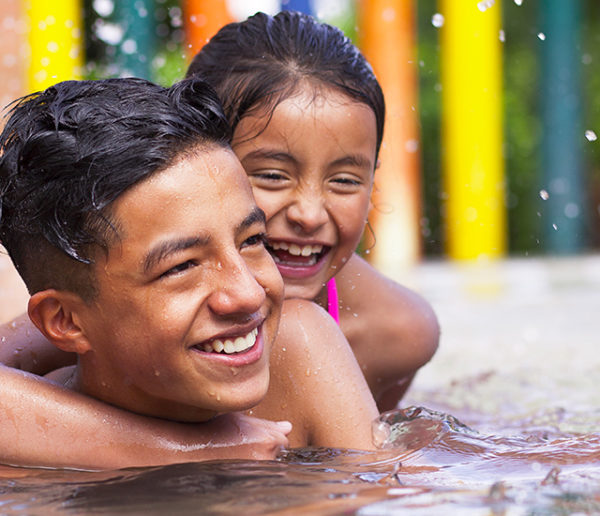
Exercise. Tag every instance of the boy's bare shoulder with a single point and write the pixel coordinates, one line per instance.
(316, 382)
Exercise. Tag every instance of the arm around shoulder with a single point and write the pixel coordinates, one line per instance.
(46, 425)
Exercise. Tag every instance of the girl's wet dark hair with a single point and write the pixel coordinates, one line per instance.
(257, 63)
(68, 152)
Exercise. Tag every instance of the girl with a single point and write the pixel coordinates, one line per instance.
(308, 117)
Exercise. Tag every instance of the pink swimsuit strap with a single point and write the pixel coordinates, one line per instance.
(333, 306)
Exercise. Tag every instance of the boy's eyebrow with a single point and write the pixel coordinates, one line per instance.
(164, 249)
(256, 215)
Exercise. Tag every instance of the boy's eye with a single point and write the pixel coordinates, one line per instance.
(258, 239)
(178, 268)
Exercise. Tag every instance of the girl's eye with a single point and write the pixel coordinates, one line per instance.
(346, 181)
(255, 240)
(269, 175)
(178, 268)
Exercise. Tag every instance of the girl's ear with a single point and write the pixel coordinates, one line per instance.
(54, 313)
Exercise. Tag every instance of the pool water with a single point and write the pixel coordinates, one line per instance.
(505, 420)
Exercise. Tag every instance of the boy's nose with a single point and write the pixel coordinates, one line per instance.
(237, 291)
(308, 212)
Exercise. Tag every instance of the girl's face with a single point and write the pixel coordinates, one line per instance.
(311, 170)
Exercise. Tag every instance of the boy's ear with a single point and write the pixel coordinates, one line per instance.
(52, 311)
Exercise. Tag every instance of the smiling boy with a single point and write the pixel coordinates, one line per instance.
(134, 228)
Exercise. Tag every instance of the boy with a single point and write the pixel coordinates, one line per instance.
(134, 228)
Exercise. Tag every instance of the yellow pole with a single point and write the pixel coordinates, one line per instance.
(387, 38)
(472, 129)
(56, 42)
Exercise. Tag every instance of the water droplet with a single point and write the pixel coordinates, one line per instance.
(411, 146)
(555, 227)
(571, 210)
(502, 36)
(484, 5)
(110, 33)
(542, 36)
(544, 195)
(129, 46)
(591, 135)
(103, 7)
(437, 20)
(519, 2)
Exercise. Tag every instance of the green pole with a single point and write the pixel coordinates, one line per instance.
(561, 190)
(137, 48)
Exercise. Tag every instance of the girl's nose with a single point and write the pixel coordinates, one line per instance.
(308, 212)
(237, 291)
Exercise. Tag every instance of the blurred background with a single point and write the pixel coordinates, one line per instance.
(491, 136)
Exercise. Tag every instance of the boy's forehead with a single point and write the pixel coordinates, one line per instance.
(191, 180)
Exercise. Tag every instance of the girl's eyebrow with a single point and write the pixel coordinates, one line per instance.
(353, 160)
(270, 154)
(356, 160)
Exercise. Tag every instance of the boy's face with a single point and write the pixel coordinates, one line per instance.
(189, 276)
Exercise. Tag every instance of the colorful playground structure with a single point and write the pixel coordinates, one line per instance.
(43, 43)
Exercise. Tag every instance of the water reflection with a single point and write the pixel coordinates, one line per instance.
(430, 463)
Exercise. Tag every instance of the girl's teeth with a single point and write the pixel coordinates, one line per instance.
(297, 250)
(229, 346)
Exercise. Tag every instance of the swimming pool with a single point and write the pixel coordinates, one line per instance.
(504, 420)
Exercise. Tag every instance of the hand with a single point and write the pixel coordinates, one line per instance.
(238, 436)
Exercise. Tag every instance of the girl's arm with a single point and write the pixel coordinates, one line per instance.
(43, 424)
(316, 382)
(392, 330)
(23, 347)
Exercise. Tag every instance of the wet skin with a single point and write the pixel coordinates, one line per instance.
(178, 280)
(311, 170)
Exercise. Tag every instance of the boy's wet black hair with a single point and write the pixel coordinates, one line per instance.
(259, 62)
(68, 152)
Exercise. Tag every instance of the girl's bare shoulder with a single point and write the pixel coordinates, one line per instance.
(373, 304)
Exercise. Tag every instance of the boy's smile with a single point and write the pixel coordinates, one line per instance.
(189, 298)
(311, 170)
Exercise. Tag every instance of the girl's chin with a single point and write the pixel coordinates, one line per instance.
(310, 291)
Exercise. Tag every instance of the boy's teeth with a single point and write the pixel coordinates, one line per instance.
(229, 346)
